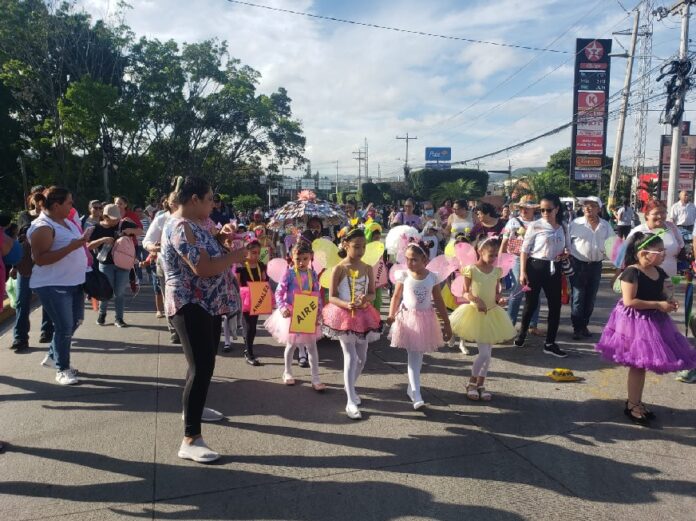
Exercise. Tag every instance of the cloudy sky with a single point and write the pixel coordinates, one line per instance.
(350, 82)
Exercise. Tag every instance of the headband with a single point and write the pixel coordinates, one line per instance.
(484, 241)
(656, 235)
(413, 241)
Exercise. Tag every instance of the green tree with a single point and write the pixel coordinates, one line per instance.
(246, 203)
(459, 189)
(423, 182)
(549, 182)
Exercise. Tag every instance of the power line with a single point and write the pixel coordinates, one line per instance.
(397, 29)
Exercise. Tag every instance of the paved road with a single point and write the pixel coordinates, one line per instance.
(106, 449)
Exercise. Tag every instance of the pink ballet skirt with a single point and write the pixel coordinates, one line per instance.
(365, 323)
(645, 339)
(416, 330)
(279, 328)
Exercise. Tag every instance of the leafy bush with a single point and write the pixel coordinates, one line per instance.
(424, 182)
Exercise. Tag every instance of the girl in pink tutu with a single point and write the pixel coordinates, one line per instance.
(640, 334)
(415, 326)
(349, 316)
(300, 277)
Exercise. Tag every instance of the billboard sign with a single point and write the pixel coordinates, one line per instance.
(687, 163)
(308, 184)
(289, 184)
(590, 108)
(438, 154)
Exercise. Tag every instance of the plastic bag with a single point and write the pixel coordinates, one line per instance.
(11, 290)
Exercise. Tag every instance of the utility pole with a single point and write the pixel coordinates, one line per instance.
(407, 138)
(679, 102)
(616, 165)
(367, 172)
(336, 181)
(379, 172)
(25, 184)
(359, 159)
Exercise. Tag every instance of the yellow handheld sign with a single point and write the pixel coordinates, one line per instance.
(305, 309)
(261, 298)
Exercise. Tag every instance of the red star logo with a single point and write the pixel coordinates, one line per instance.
(594, 51)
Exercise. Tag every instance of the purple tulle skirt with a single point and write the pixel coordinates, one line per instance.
(645, 339)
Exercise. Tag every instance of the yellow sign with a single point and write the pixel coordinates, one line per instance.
(261, 298)
(305, 309)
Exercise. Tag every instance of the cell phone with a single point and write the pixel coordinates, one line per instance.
(87, 233)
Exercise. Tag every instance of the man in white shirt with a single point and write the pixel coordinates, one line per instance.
(587, 237)
(683, 212)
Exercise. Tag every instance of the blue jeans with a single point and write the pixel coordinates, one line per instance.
(21, 325)
(119, 282)
(65, 306)
(585, 284)
(517, 294)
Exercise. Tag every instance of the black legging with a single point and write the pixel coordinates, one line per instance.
(250, 322)
(539, 277)
(199, 332)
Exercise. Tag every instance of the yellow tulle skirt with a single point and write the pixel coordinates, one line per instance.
(492, 327)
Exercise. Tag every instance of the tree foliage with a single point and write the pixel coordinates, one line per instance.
(93, 107)
(424, 182)
(459, 189)
(247, 202)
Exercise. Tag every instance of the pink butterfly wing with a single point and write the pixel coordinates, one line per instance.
(276, 269)
(465, 253)
(394, 269)
(457, 288)
(505, 262)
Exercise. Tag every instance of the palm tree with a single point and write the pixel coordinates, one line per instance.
(459, 189)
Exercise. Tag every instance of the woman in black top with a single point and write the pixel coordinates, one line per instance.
(110, 228)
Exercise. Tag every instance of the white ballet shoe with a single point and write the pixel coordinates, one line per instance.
(353, 412)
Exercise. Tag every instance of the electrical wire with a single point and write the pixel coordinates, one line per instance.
(397, 29)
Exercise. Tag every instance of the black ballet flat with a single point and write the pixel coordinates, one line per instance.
(643, 419)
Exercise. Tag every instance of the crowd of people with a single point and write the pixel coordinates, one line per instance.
(209, 267)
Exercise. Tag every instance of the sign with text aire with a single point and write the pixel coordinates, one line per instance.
(305, 310)
(590, 108)
(438, 154)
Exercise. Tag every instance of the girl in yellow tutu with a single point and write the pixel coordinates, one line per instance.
(482, 320)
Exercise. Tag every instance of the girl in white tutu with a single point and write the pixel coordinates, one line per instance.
(299, 278)
(415, 326)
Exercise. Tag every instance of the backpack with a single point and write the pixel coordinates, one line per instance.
(123, 252)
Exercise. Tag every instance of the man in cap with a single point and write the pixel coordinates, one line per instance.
(587, 237)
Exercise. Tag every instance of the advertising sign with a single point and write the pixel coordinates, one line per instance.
(687, 163)
(289, 184)
(307, 184)
(438, 154)
(590, 108)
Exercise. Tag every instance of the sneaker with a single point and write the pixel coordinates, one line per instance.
(120, 323)
(353, 412)
(586, 332)
(101, 319)
(303, 362)
(226, 348)
(577, 334)
(554, 350)
(687, 377)
(463, 348)
(197, 451)
(20, 345)
(519, 341)
(51, 364)
(45, 338)
(174, 338)
(66, 378)
(159, 314)
(209, 415)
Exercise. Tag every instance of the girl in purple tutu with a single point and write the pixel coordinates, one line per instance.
(640, 334)
(416, 327)
(350, 316)
(299, 278)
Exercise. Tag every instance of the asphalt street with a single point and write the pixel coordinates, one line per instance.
(106, 449)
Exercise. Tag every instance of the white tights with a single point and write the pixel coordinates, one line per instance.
(313, 356)
(354, 358)
(415, 362)
(483, 361)
(230, 325)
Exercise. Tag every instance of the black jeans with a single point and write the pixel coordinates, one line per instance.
(539, 277)
(199, 332)
(250, 323)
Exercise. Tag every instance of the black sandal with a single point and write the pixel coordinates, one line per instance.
(648, 413)
(640, 420)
